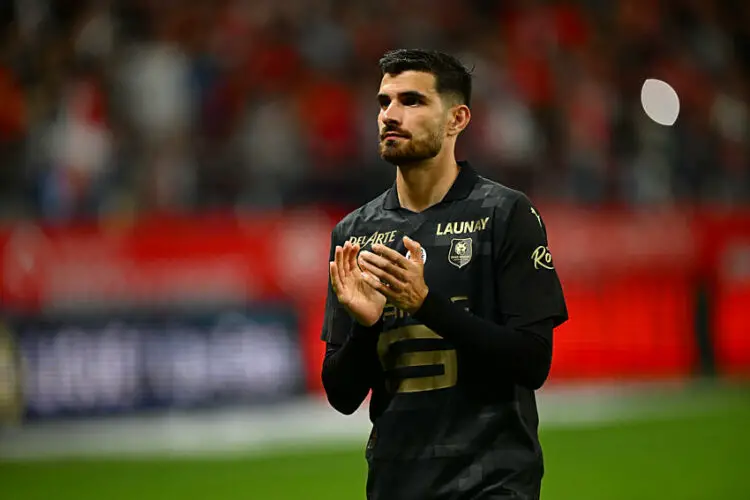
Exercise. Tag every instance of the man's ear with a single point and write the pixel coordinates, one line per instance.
(460, 116)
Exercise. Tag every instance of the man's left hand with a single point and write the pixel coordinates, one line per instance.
(400, 279)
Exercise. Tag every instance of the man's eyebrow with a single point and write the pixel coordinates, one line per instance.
(407, 93)
(413, 93)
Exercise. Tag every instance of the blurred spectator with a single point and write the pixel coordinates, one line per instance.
(176, 106)
(587, 115)
(13, 121)
(79, 154)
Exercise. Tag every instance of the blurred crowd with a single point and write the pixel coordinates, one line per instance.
(120, 107)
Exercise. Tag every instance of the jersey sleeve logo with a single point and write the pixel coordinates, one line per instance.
(461, 251)
(542, 258)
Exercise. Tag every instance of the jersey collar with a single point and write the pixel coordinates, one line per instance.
(460, 189)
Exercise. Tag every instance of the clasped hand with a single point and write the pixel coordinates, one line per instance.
(399, 279)
(362, 285)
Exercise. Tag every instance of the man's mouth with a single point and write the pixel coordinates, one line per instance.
(393, 135)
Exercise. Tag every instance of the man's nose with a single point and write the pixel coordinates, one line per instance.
(391, 115)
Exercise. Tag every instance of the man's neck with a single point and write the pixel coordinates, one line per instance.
(420, 186)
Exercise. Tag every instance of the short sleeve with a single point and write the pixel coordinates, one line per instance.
(527, 285)
(337, 324)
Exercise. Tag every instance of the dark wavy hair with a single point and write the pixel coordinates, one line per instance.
(452, 79)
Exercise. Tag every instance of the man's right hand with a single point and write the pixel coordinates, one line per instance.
(364, 303)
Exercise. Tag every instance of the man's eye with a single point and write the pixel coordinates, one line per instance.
(410, 101)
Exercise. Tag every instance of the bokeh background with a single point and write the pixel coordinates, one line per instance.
(170, 172)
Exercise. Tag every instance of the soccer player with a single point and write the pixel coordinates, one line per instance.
(442, 302)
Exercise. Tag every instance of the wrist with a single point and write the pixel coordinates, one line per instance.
(431, 304)
(359, 320)
(360, 330)
(422, 296)
(363, 323)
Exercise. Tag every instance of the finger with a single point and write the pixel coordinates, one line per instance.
(414, 248)
(345, 257)
(351, 257)
(362, 252)
(339, 260)
(385, 265)
(391, 281)
(355, 256)
(335, 279)
(391, 255)
(375, 283)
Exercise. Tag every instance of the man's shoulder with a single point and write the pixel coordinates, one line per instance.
(492, 194)
(370, 211)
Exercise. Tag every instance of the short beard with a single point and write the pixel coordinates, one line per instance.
(414, 151)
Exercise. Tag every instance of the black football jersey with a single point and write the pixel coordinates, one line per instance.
(445, 425)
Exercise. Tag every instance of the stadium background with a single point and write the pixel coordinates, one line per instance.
(169, 175)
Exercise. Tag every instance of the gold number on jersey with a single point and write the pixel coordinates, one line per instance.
(446, 358)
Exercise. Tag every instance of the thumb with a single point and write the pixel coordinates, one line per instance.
(414, 248)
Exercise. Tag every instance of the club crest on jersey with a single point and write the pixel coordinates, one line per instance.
(424, 255)
(460, 253)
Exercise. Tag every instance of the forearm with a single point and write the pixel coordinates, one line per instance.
(523, 353)
(349, 369)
